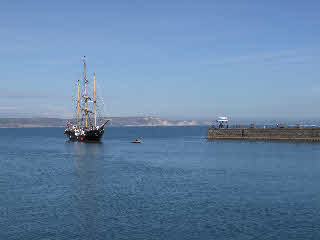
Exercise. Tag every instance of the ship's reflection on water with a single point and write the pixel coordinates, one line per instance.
(87, 188)
(84, 147)
(85, 152)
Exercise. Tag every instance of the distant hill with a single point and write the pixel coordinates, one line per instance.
(31, 122)
(115, 121)
(142, 121)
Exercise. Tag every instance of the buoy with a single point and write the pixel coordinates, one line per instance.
(81, 139)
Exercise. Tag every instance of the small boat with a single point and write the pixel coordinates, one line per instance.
(137, 141)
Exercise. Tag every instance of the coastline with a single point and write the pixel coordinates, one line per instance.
(115, 126)
(115, 122)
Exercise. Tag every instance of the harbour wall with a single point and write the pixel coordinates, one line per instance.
(294, 134)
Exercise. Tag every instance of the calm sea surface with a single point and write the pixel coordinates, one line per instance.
(176, 185)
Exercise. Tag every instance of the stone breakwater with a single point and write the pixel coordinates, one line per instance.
(287, 134)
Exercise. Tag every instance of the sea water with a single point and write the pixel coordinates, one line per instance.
(175, 185)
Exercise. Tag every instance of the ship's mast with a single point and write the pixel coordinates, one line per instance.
(85, 92)
(78, 106)
(94, 100)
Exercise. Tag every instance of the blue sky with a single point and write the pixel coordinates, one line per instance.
(173, 59)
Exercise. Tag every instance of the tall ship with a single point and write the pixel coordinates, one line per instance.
(86, 129)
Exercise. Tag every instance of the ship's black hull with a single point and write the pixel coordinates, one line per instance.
(92, 135)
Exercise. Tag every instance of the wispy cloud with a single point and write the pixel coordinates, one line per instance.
(21, 95)
(290, 56)
(6, 108)
(39, 110)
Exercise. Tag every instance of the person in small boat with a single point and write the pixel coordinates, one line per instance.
(137, 140)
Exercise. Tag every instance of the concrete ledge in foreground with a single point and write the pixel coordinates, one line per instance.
(284, 134)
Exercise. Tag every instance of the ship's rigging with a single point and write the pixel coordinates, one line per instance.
(85, 129)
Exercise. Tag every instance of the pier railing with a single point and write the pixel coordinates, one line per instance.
(266, 126)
